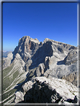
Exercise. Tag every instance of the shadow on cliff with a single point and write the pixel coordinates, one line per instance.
(19, 86)
(41, 53)
(61, 62)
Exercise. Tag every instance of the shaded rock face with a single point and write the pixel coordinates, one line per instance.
(71, 78)
(41, 53)
(71, 57)
(43, 90)
(41, 93)
(40, 70)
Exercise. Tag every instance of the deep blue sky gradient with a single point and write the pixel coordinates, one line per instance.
(57, 21)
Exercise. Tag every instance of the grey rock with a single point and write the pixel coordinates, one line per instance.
(27, 65)
(71, 57)
(40, 70)
(41, 53)
(26, 45)
(45, 90)
(72, 77)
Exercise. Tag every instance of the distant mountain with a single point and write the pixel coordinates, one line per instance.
(5, 53)
(32, 59)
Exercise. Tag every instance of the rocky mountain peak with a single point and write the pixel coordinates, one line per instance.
(46, 39)
(27, 39)
(24, 39)
(27, 46)
(50, 61)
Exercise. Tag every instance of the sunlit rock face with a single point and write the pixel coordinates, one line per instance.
(26, 47)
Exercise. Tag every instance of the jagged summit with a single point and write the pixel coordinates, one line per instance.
(26, 39)
(31, 49)
(27, 44)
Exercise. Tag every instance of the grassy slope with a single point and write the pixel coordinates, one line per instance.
(11, 79)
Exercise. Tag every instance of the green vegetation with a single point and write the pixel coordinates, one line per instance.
(7, 70)
(8, 80)
(6, 95)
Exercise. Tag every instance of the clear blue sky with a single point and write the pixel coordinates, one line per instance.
(57, 21)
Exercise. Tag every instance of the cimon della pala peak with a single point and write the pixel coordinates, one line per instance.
(41, 72)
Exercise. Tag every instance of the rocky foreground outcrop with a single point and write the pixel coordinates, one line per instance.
(45, 90)
(32, 59)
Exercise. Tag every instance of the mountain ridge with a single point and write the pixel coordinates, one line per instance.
(32, 58)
